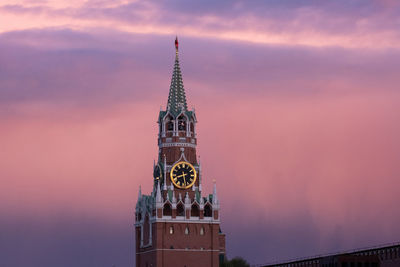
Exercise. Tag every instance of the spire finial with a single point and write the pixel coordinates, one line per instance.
(176, 44)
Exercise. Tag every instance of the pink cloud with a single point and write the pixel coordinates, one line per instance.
(363, 25)
(302, 142)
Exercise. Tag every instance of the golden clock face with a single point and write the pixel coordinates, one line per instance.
(183, 175)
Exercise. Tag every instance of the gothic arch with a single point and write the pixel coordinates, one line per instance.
(180, 209)
(207, 210)
(169, 123)
(195, 211)
(167, 210)
(182, 123)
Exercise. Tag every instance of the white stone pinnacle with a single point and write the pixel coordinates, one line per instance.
(187, 200)
(215, 197)
(158, 196)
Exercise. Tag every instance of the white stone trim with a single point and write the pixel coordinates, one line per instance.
(168, 219)
(179, 249)
(179, 144)
(205, 220)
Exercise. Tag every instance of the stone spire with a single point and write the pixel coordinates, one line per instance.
(187, 199)
(165, 174)
(139, 198)
(200, 189)
(215, 197)
(158, 195)
(176, 97)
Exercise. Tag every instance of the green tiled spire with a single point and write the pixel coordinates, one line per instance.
(176, 97)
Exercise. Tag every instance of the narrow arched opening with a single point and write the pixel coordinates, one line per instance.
(169, 124)
(180, 210)
(195, 211)
(167, 211)
(207, 210)
(182, 123)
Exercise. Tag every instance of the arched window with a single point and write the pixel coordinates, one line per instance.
(182, 123)
(195, 212)
(167, 211)
(170, 126)
(207, 210)
(169, 123)
(180, 210)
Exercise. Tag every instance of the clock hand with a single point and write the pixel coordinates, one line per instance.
(182, 175)
(184, 179)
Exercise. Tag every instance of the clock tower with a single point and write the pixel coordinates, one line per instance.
(177, 225)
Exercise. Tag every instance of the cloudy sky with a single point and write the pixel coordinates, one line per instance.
(298, 108)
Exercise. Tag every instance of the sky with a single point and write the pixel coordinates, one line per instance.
(297, 107)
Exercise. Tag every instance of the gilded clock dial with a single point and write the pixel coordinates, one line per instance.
(183, 175)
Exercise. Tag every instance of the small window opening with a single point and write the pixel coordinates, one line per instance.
(195, 212)
(170, 126)
(207, 211)
(167, 210)
(181, 123)
(180, 211)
